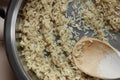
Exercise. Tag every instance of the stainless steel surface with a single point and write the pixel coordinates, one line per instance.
(11, 42)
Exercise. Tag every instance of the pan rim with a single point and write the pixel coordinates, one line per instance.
(10, 42)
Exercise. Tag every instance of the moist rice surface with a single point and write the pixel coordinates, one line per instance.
(47, 40)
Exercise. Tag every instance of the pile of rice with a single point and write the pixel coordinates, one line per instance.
(103, 16)
(47, 40)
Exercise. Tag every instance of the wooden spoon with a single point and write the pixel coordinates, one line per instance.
(97, 58)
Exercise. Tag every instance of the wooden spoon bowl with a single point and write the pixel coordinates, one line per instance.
(97, 58)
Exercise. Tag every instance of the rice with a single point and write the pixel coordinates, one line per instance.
(47, 37)
(105, 16)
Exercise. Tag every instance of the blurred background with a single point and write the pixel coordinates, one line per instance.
(6, 72)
